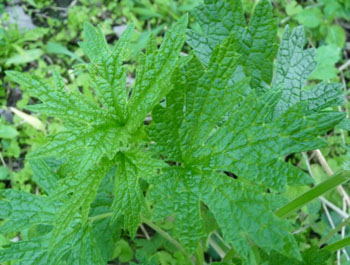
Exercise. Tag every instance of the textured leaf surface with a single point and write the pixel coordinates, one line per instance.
(78, 247)
(154, 71)
(129, 200)
(177, 193)
(28, 252)
(99, 133)
(249, 135)
(294, 66)
(244, 213)
(107, 73)
(43, 175)
(22, 210)
(84, 192)
(256, 42)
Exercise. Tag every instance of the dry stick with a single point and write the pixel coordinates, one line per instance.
(217, 248)
(322, 199)
(145, 232)
(326, 203)
(330, 172)
(331, 222)
(301, 229)
(346, 109)
(334, 208)
(345, 91)
(340, 189)
(344, 66)
(341, 130)
(2, 160)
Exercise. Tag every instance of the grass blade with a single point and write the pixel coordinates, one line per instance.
(315, 192)
(334, 231)
(338, 245)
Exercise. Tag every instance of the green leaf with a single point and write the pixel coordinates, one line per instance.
(24, 56)
(106, 70)
(95, 134)
(129, 201)
(84, 191)
(123, 251)
(85, 250)
(177, 193)
(345, 125)
(249, 135)
(327, 57)
(7, 132)
(77, 247)
(22, 210)
(336, 35)
(57, 48)
(244, 214)
(293, 68)
(311, 256)
(310, 17)
(43, 175)
(220, 19)
(153, 73)
(202, 147)
(4, 173)
(293, 8)
(28, 252)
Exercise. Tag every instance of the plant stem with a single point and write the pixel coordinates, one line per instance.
(329, 172)
(163, 234)
(229, 255)
(151, 225)
(166, 236)
(199, 254)
(100, 216)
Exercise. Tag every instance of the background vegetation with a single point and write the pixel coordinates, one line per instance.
(39, 36)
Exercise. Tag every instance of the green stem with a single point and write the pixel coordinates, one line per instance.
(151, 225)
(163, 234)
(229, 255)
(166, 236)
(99, 217)
(199, 254)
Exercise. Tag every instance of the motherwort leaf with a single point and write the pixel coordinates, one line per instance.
(223, 121)
(76, 247)
(22, 210)
(99, 132)
(221, 19)
(247, 135)
(293, 67)
(198, 178)
(129, 200)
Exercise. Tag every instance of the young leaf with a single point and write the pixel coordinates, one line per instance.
(99, 132)
(293, 67)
